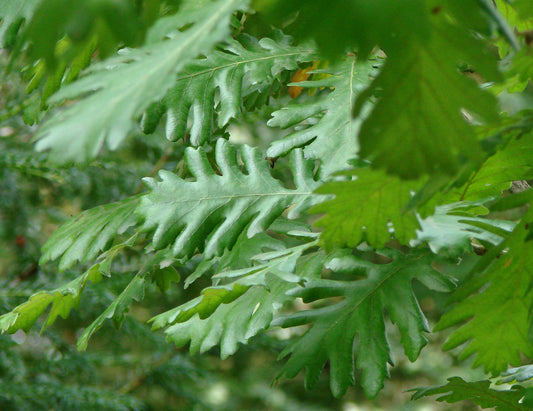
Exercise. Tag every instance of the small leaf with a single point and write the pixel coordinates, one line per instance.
(478, 392)
(89, 233)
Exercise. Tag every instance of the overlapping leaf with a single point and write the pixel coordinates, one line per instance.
(86, 235)
(478, 392)
(236, 70)
(370, 208)
(417, 126)
(450, 229)
(325, 124)
(518, 374)
(12, 12)
(355, 326)
(233, 313)
(209, 214)
(63, 299)
(494, 309)
(513, 162)
(123, 87)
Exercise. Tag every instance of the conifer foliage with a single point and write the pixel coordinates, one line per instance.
(385, 142)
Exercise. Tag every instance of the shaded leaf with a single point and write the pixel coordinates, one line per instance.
(494, 309)
(332, 335)
(429, 134)
(478, 392)
(370, 208)
(134, 291)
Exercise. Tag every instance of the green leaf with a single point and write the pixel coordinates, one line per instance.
(63, 299)
(236, 70)
(120, 306)
(107, 22)
(233, 313)
(524, 8)
(478, 392)
(240, 256)
(209, 214)
(89, 233)
(123, 87)
(281, 263)
(518, 374)
(332, 336)
(512, 162)
(449, 231)
(370, 208)
(344, 26)
(232, 323)
(429, 134)
(495, 312)
(12, 12)
(325, 126)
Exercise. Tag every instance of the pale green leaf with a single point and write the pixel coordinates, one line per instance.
(325, 127)
(11, 12)
(208, 214)
(121, 88)
(450, 229)
(236, 70)
(89, 233)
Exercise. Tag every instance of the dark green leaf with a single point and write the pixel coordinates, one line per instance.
(332, 336)
(479, 392)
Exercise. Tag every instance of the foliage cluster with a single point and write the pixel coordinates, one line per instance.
(388, 149)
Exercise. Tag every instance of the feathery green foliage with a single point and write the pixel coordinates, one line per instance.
(311, 182)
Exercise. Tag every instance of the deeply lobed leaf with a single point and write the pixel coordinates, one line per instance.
(457, 390)
(83, 237)
(209, 214)
(355, 325)
(324, 124)
(494, 309)
(238, 69)
(121, 88)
